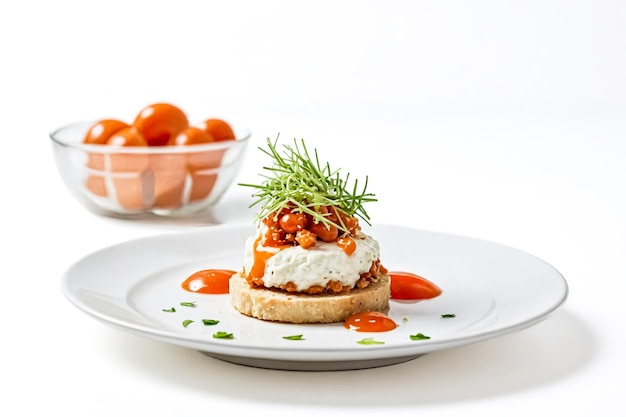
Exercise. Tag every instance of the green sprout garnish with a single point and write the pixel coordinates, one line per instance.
(419, 336)
(187, 322)
(298, 181)
(370, 341)
(294, 337)
(223, 335)
(448, 316)
(210, 322)
(169, 310)
(188, 304)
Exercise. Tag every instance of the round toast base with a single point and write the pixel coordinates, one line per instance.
(280, 306)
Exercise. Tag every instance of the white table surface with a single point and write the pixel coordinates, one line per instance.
(503, 122)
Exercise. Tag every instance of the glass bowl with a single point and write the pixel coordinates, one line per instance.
(139, 180)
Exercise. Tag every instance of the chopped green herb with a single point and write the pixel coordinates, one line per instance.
(170, 310)
(209, 322)
(448, 316)
(188, 304)
(370, 341)
(404, 319)
(187, 322)
(223, 335)
(298, 180)
(294, 337)
(419, 336)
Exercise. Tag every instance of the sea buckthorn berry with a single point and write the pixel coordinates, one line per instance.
(275, 237)
(332, 214)
(325, 233)
(351, 223)
(293, 222)
(347, 244)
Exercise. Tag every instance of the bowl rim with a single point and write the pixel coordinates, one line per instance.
(242, 133)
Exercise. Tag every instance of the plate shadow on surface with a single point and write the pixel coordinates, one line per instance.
(551, 350)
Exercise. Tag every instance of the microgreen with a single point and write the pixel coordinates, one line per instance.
(188, 304)
(169, 310)
(370, 341)
(448, 316)
(419, 336)
(210, 322)
(298, 180)
(187, 323)
(294, 337)
(223, 335)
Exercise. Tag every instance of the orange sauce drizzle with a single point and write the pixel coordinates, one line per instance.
(370, 321)
(409, 286)
(209, 281)
(260, 258)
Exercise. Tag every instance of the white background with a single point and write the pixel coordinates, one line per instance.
(498, 120)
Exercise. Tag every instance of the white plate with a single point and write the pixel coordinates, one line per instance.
(490, 288)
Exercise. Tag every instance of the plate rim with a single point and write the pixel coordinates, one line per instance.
(365, 353)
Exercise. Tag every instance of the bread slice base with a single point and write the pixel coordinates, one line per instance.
(286, 307)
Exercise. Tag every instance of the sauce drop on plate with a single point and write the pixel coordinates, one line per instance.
(370, 321)
(409, 286)
(209, 281)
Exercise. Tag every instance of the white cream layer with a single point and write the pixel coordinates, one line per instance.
(317, 265)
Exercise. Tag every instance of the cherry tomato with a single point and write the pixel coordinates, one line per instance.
(161, 122)
(218, 129)
(202, 165)
(100, 132)
(192, 136)
(408, 286)
(133, 192)
(370, 321)
(129, 136)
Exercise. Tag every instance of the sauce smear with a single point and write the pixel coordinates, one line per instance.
(370, 321)
(260, 257)
(209, 281)
(409, 286)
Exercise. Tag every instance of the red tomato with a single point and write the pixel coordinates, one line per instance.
(408, 286)
(218, 129)
(160, 123)
(100, 132)
(192, 136)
